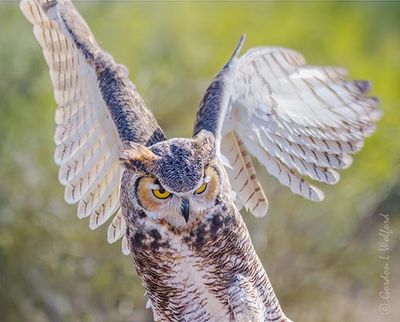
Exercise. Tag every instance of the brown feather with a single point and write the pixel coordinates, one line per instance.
(243, 177)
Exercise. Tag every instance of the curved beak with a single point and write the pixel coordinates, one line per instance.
(185, 209)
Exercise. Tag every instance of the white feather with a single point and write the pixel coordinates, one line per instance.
(242, 176)
(124, 246)
(284, 175)
(297, 120)
(87, 143)
(117, 228)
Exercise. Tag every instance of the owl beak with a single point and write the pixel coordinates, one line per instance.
(185, 209)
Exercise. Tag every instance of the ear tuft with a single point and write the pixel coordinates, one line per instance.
(137, 157)
(205, 137)
(205, 142)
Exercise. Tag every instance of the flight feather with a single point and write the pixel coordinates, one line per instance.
(299, 121)
(98, 109)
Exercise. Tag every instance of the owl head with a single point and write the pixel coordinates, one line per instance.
(174, 180)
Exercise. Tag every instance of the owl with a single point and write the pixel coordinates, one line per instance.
(175, 202)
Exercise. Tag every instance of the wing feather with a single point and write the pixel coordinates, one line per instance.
(91, 123)
(334, 159)
(302, 166)
(285, 175)
(104, 167)
(98, 194)
(298, 120)
(105, 210)
(117, 228)
(242, 176)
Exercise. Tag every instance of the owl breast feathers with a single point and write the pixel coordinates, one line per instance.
(176, 202)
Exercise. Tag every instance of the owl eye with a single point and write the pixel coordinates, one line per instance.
(161, 193)
(202, 188)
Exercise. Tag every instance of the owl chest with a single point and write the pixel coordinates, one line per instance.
(172, 252)
(181, 283)
(208, 242)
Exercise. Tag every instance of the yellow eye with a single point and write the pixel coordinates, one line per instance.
(161, 193)
(202, 188)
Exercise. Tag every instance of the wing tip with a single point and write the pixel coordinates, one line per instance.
(23, 6)
(364, 86)
(333, 178)
(261, 210)
(110, 235)
(124, 246)
(95, 220)
(46, 6)
(316, 194)
(347, 161)
(69, 196)
(117, 229)
(238, 47)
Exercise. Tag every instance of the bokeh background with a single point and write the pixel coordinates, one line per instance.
(323, 259)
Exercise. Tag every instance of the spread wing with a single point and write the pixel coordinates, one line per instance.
(98, 109)
(299, 121)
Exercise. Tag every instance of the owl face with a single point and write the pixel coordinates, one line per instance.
(176, 180)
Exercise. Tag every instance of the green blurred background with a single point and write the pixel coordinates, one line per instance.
(323, 259)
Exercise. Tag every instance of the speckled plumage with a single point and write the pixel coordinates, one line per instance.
(176, 202)
(205, 271)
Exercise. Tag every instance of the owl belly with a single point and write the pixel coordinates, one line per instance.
(208, 273)
(193, 299)
(176, 282)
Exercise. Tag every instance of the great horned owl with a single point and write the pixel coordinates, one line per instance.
(176, 202)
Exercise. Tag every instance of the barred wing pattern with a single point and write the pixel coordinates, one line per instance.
(91, 122)
(297, 120)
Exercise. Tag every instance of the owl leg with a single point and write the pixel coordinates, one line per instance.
(245, 304)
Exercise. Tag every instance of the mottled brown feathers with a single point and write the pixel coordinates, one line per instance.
(137, 157)
(172, 198)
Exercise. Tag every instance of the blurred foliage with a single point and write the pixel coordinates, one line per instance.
(322, 258)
